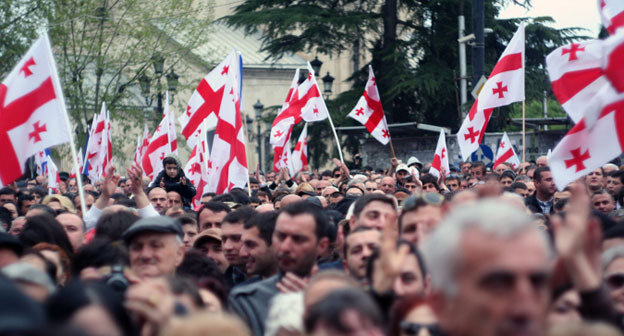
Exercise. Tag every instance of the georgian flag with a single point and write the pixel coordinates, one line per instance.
(440, 158)
(281, 146)
(32, 110)
(504, 86)
(142, 143)
(171, 131)
(196, 168)
(54, 178)
(80, 160)
(300, 152)
(506, 153)
(575, 71)
(159, 147)
(611, 14)
(369, 112)
(97, 148)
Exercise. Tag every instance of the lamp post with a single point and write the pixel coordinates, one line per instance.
(158, 62)
(316, 65)
(258, 107)
(328, 81)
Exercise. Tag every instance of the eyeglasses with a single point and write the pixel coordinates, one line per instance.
(615, 281)
(411, 328)
(427, 197)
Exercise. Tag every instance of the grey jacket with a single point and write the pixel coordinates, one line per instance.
(252, 302)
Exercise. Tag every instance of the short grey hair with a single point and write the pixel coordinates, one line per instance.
(610, 255)
(441, 247)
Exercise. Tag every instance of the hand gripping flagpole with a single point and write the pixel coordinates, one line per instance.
(57, 83)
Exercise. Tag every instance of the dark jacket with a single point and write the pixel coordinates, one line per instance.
(187, 191)
(252, 302)
(533, 205)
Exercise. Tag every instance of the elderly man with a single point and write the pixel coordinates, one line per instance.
(388, 185)
(155, 246)
(491, 272)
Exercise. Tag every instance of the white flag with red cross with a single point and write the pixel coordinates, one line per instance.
(205, 103)
(142, 143)
(440, 158)
(54, 179)
(305, 103)
(173, 137)
(159, 147)
(32, 111)
(584, 149)
(196, 168)
(506, 153)
(369, 112)
(575, 71)
(504, 86)
(41, 161)
(300, 152)
(281, 138)
(99, 148)
(227, 167)
(611, 14)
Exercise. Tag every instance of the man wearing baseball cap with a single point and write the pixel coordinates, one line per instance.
(155, 246)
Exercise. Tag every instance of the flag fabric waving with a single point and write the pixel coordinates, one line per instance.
(575, 71)
(281, 147)
(31, 110)
(205, 103)
(159, 147)
(227, 167)
(611, 14)
(506, 153)
(300, 152)
(99, 148)
(504, 86)
(41, 161)
(440, 158)
(54, 178)
(142, 143)
(369, 112)
(196, 168)
(171, 131)
(80, 159)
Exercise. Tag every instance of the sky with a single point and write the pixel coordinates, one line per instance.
(567, 13)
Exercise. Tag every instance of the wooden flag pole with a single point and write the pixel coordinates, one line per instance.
(335, 136)
(523, 132)
(392, 149)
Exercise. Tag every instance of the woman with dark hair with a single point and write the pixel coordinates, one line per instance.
(113, 224)
(92, 307)
(45, 229)
(56, 255)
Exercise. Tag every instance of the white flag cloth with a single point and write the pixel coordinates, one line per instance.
(281, 146)
(300, 152)
(53, 177)
(227, 167)
(583, 149)
(196, 168)
(369, 112)
(440, 158)
(504, 86)
(80, 160)
(506, 153)
(159, 147)
(142, 143)
(32, 110)
(172, 135)
(611, 14)
(99, 151)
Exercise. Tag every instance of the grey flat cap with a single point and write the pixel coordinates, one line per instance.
(162, 224)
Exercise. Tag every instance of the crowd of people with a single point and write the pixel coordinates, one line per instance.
(350, 251)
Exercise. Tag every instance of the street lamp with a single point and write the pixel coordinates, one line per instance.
(328, 81)
(158, 62)
(172, 83)
(316, 65)
(258, 107)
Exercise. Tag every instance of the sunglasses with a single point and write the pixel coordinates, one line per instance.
(336, 175)
(426, 197)
(411, 328)
(615, 281)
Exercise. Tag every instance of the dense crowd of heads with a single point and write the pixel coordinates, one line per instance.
(345, 251)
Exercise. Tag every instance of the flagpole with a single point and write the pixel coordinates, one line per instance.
(523, 133)
(335, 136)
(69, 128)
(246, 154)
(392, 149)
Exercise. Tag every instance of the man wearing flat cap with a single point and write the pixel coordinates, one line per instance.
(155, 246)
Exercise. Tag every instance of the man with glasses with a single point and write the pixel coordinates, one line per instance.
(373, 210)
(419, 216)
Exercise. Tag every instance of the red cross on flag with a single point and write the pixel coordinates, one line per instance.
(227, 167)
(205, 103)
(32, 110)
(584, 149)
(506, 153)
(142, 143)
(99, 148)
(281, 138)
(305, 102)
(159, 147)
(369, 112)
(54, 179)
(504, 86)
(300, 152)
(611, 14)
(575, 71)
(196, 168)
(440, 158)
